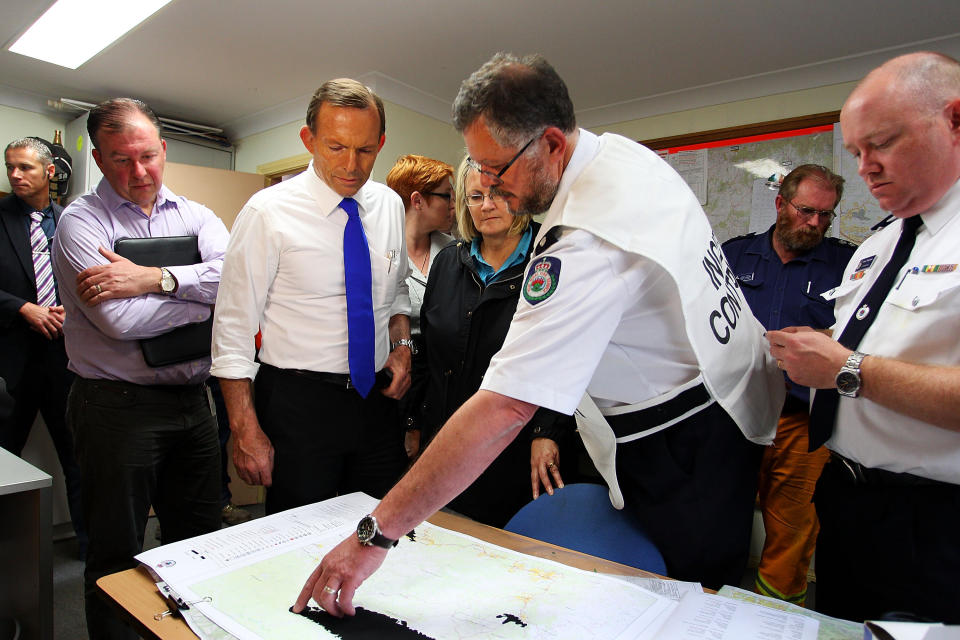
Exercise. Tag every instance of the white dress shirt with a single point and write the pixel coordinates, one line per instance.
(918, 322)
(283, 274)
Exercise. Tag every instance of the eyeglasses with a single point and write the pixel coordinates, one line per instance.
(445, 196)
(808, 212)
(476, 199)
(499, 174)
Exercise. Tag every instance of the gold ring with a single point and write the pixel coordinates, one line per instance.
(99, 289)
(327, 589)
(550, 465)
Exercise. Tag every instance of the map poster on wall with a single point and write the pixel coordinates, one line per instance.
(738, 173)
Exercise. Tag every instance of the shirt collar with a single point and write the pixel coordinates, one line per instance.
(937, 216)
(518, 255)
(115, 201)
(588, 145)
(328, 199)
(47, 211)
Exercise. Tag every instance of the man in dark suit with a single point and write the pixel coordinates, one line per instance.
(34, 362)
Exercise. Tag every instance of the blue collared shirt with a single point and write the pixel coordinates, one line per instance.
(487, 273)
(784, 295)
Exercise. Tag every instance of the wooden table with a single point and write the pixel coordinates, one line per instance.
(136, 597)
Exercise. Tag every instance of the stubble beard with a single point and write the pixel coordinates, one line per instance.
(542, 192)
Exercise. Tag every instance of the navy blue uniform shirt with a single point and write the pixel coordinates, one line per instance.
(783, 295)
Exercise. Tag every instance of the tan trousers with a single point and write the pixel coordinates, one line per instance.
(788, 476)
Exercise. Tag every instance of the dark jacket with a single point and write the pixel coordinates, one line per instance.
(463, 324)
(18, 342)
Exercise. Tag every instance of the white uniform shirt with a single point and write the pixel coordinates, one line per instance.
(918, 322)
(283, 274)
(614, 326)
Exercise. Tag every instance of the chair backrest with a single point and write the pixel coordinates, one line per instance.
(580, 517)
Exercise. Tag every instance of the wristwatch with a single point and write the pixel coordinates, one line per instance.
(168, 284)
(368, 532)
(405, 342)
(848, 379)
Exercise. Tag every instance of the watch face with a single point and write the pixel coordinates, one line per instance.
(366, 529)
(848, 382)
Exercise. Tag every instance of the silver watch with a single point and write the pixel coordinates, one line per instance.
(848, 378)
(405, 342)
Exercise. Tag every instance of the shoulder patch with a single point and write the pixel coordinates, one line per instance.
(542, 279)
(841, 242)
(746, 236)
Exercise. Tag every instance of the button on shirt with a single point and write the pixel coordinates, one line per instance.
(614, 326)
(284, 274)
(784, 295)
(102, 341)
(918, 322)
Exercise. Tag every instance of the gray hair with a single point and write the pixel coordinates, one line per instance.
(518, 98)
(44, 155)
(345, 92)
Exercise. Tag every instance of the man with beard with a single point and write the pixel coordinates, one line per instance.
(782, 274)
(628, 298)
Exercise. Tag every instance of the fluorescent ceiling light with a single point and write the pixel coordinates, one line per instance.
(73, 31)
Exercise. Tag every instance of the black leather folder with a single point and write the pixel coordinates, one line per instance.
(186, 342)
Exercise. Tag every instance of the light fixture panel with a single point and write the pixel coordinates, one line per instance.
(71, 32)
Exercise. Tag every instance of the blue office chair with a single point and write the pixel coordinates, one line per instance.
(580, 517)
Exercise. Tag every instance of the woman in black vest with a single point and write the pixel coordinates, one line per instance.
(471, 296)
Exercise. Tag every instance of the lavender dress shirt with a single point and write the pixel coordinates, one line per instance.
(102, 341)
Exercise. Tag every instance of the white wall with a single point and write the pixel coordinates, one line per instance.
(407, 132)
(733, 114)
(17, 123)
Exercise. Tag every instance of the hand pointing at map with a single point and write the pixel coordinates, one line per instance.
(342, 570)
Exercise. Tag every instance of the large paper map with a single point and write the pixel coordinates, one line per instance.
(436, 584)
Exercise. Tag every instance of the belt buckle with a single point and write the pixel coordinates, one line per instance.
(349, 383)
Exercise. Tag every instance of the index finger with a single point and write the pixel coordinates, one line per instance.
(304, 598)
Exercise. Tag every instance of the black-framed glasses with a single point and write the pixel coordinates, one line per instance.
(476, 199)
(499, 174)
(445, 196)
(808, 212)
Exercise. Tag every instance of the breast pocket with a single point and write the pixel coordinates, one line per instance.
(918, 291)
(383, 267)
(815, 311)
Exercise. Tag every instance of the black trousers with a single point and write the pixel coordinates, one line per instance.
(327, 440)
(693, 488)
(887, 548)
(138, 446)
(43, 387)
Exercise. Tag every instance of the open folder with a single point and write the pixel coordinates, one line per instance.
(186, 342)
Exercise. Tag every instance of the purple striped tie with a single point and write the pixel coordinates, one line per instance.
(42, 270)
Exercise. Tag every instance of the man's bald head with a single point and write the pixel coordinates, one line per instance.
(902, 124)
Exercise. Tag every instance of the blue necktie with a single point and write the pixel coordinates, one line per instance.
(359, 286)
